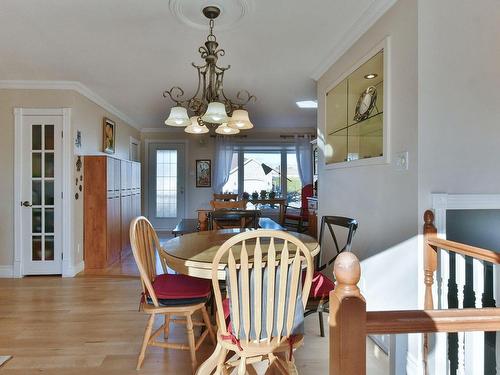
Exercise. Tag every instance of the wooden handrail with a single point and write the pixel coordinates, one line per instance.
(426, 321)
(460, 248)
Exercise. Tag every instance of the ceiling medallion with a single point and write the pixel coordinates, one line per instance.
(213, 110)
(190, 12)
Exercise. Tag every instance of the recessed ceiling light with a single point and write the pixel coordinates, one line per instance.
(371, 76)
(307, 104)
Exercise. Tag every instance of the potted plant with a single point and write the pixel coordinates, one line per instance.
(255, 195)
(245, 196)
(272, 195)
(263, 194)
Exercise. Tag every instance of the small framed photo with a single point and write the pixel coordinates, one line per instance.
(203, 173)
(108, 135)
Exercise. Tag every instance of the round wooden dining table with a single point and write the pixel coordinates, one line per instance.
(192, 254)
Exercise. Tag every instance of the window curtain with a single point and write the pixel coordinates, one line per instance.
(224, 149)
(303, 149)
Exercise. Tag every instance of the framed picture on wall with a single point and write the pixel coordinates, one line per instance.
(203, 173)
(108, 135)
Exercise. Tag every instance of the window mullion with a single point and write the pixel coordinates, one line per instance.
(283, 174)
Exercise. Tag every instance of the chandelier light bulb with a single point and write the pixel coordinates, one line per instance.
(178, 117)
(239, 120)
(215, 114)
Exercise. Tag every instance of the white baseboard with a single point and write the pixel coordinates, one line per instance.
(74, 270)
(6, 271)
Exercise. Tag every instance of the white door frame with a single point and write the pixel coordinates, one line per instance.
(147, 142)
(67, 144)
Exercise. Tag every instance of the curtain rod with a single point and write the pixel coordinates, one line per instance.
(284, 136)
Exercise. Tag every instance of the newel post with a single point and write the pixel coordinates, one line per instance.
(430, 266)
(347, 319)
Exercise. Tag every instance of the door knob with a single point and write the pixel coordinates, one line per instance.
(26, 204)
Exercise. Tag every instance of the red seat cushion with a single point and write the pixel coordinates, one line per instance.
(168, 286)
(321, 285)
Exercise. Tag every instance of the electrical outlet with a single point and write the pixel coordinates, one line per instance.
(401, 160)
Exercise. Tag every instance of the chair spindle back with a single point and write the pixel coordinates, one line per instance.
(145, 246)
(258, 252)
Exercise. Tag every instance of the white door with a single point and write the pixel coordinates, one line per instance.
(166, 185)
(41, 201)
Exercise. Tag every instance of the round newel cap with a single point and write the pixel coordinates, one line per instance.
(347, 269)
(428, 217)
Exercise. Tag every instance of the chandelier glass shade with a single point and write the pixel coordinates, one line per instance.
(195, 127)
(239, 120)
(178, 117)
(215, 114)
(210, 105)
(226, 130)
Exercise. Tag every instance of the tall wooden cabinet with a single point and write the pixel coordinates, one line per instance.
(112, 198)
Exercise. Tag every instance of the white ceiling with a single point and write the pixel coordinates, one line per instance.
(130, 51)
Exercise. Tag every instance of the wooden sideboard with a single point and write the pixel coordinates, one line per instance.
(112, 197)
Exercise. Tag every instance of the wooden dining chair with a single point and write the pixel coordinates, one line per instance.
(225, 197)
(262, 318)
(167, 294)
(322, 285)
(230, 205)
(226, 219)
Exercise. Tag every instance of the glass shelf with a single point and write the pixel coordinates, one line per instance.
(365, 121)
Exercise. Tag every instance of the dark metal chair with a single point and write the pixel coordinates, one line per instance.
(226, 219)
(322, 285)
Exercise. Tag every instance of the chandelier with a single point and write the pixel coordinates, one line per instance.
(210, 107)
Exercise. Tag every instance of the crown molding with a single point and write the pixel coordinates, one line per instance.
(356, 31)
(69, 85)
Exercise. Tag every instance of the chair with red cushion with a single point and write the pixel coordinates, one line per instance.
(167, 294)
(322, 285)
(298, 217)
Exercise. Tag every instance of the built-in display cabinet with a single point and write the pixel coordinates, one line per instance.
(355, 123)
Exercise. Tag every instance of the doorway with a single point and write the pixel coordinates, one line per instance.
(39, 192)
(166, 184)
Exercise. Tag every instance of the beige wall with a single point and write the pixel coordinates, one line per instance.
(381, 197)
(86, 117)
(459, 101)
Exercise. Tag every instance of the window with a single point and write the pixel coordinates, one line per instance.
(166, 183)
(273, 169)
(255, 178)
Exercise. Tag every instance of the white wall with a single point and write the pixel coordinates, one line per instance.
(85, 116)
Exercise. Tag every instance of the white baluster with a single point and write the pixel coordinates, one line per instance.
(474, 341)
(460, 276)
(441, 362)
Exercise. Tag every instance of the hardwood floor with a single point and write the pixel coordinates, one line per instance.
(90, 325)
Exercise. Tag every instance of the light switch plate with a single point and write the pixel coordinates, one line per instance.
(401, 160)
